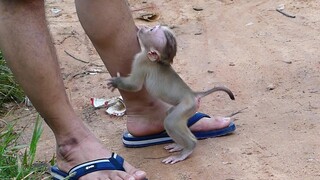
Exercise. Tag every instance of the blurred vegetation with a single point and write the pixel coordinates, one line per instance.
(10, 91)
(17, 161)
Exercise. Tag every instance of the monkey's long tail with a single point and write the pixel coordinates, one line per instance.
(205, 93)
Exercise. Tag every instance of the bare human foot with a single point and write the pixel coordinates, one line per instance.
(82, 146)
(147, 118)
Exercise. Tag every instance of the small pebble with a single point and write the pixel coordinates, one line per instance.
(232, 64)
(173, 26)
(210, 71)
(271, 87)
(288, 62)
(197, 8)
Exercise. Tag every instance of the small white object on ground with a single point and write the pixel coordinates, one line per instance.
(115, 106)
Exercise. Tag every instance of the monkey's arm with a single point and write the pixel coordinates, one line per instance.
(133, 82)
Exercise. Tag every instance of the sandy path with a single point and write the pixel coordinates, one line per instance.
(245, 45)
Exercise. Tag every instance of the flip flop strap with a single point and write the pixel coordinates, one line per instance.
(115, 162)
(196, 117)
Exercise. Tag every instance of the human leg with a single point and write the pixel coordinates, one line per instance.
(27, 47)
(113, 33)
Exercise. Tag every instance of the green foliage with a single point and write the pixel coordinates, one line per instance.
(9, 89)
(17, 161)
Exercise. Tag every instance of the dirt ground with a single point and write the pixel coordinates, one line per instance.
(270, 61)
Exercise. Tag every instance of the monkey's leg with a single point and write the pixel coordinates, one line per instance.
(174, 147)
(176, 126)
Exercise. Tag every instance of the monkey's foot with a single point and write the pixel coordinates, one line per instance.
(173, 147)
(177, 158)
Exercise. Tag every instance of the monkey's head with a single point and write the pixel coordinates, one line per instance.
(159, 43)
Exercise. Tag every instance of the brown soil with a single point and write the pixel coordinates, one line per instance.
(270, 61)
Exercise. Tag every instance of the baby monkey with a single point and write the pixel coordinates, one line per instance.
(152, 68)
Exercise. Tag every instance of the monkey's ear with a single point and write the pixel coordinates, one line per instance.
(153, 55)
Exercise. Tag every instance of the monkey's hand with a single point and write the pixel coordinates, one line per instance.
(128, 83)
(113, 83)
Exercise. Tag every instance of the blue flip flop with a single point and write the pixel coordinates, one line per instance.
(115, 162)
(131, 141)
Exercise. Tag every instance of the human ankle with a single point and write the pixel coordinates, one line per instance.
(136, 102)
(70, 141)
(146, 119)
